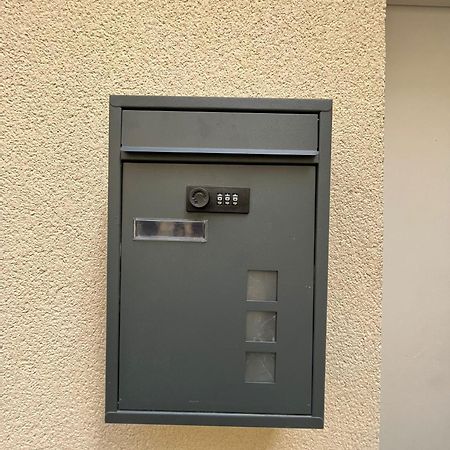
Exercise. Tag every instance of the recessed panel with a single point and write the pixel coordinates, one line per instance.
(261, 326)
(259, 367)
(262, 285)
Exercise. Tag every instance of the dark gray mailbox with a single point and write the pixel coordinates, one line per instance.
(217, 261)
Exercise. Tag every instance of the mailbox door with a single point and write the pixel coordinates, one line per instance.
(224, 325)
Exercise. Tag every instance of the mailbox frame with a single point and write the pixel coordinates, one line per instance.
(319, 158)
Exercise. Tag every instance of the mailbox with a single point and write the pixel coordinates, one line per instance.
(217, 261)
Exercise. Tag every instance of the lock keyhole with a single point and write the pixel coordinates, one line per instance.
(198, 197)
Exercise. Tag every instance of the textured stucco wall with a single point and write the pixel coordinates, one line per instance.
(60, 62)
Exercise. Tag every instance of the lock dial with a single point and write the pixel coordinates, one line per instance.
(198, 197)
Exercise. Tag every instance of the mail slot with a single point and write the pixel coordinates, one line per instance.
(217, 261)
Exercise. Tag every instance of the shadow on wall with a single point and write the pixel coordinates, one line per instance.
(199, 438)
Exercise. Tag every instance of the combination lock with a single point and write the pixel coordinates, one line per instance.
(217, 199)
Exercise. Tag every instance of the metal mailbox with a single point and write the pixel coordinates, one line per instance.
(217, 261)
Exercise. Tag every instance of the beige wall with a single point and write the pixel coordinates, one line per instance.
(416, 303)
(61, 61)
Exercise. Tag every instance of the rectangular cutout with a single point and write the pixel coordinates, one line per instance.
(262, 285)
(261, 326)
(170, 230)
(259, 367)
